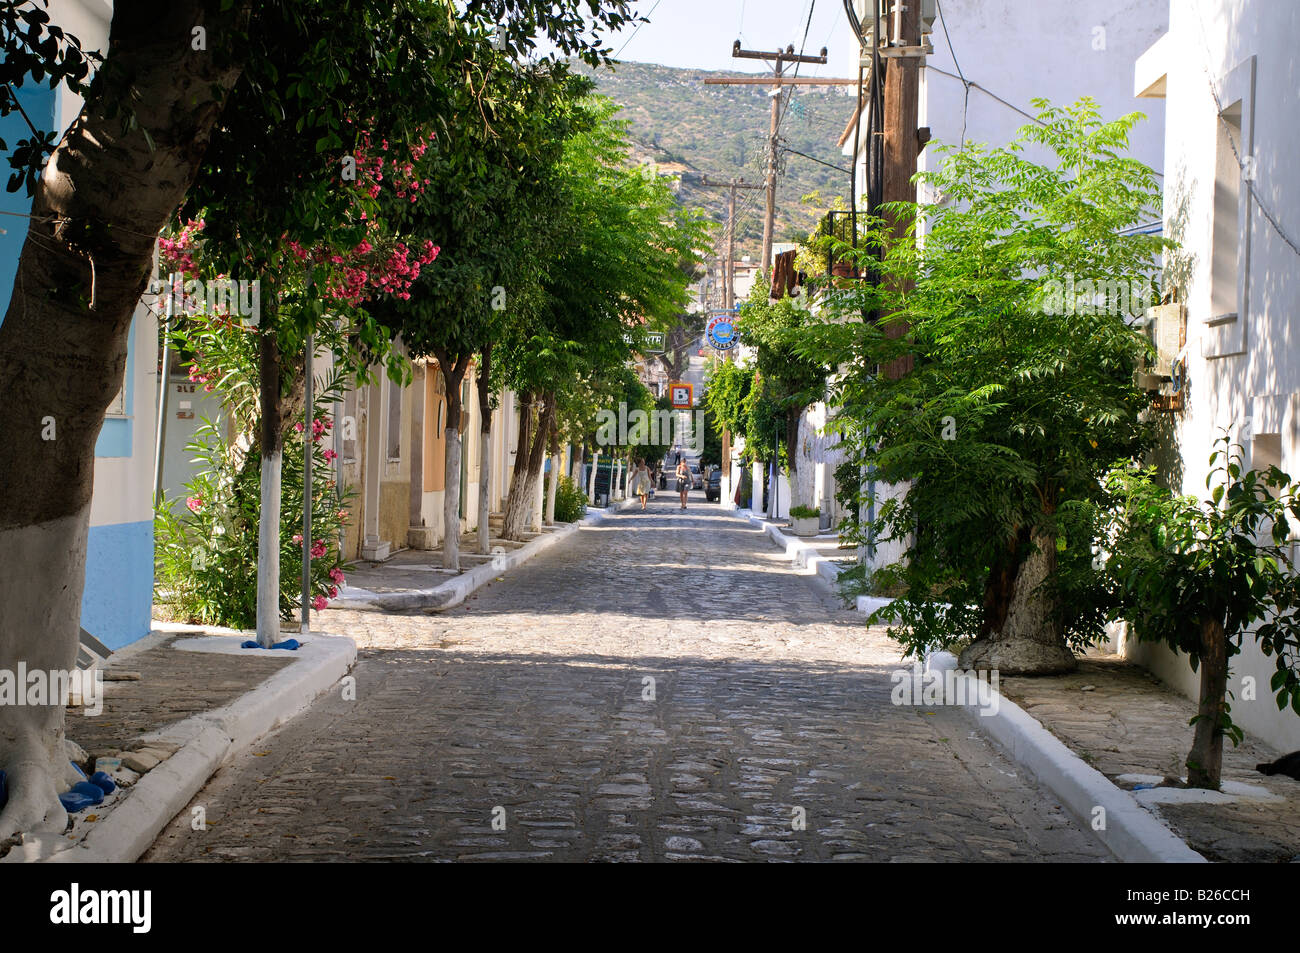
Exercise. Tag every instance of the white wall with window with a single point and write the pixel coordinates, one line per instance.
(1227, 75)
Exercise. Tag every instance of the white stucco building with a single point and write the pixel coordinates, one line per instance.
(1226, 75)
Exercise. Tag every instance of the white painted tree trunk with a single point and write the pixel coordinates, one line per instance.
(1030, 641)
(451, 503)
(38, 627)
(519, 505)
(268, 553)
(552, 486)
(537, 484)
(484, 491)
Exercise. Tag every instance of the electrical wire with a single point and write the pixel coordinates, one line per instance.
(638, 29)
(965, 104)
(1241, 163)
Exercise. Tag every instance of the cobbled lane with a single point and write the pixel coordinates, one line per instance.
(661, 686)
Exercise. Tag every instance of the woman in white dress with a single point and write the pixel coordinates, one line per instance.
(641, 482)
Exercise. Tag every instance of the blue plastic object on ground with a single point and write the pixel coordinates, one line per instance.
(4, 790)
(83, 795)
(101, 780)
(290, 644)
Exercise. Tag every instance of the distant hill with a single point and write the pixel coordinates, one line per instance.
(721, 131)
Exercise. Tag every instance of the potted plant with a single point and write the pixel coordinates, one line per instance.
(807, 520)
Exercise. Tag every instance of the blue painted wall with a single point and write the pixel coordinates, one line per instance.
(117, 602)
(118, 598)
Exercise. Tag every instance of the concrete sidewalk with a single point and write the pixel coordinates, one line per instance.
(175, 707)
(822, 554)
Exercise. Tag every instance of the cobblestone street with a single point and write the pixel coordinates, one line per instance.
(659, 687)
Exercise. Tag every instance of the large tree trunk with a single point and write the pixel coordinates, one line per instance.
(485, 449)
(453, 372)
(521, 504)
(1205, 761)
(1028, 641)
(553, 484)
(517, 504)
(101, 200)
(575, 472)
(268, 521)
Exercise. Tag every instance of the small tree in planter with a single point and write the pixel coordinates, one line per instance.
(1197, 575)
(807, 520)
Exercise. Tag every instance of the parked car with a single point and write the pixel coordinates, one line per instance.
(713, 487)
(697, 478)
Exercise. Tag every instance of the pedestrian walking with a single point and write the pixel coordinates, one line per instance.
(641, 482)
(684, 480)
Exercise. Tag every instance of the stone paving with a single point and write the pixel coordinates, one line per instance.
(1124, 721)
(660, 686)
(173, 685)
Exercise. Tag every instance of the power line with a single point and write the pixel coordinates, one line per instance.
(638, 29)
(815, 159)
(965, 103)
(1241, 163)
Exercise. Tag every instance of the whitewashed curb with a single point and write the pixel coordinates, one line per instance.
(1132, 833)
(207, 741)
(455, 591)
(802, 555)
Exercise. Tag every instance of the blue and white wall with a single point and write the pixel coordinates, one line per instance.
(118, 598)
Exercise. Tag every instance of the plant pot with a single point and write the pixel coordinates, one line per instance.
(807, 525)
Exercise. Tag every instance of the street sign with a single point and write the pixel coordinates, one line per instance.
(720, 331)
(654, 342)
(682, 395)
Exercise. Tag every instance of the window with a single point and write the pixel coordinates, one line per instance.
(394, 421)
(1228, 307)
(117, 406)
(1225, 241)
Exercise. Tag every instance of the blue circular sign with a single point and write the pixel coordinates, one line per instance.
(720, 331)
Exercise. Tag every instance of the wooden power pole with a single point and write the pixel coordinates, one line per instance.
(903, 139)
(783, 58)
(729, 267)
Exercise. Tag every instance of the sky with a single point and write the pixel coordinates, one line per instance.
(698, 34)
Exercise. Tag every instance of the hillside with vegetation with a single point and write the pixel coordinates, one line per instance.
(694, 130)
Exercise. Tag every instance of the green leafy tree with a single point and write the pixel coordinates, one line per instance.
(1201, 575)
(983, 406)
(790, 379)
(620, 242)
(490, 198)
(205, 548)
(105, 191)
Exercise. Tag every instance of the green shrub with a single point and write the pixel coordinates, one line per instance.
(805, 512)
(205, 546)
(570, 502)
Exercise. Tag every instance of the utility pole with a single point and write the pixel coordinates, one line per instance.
(903, 139)
(729, 266)
(783, 58)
